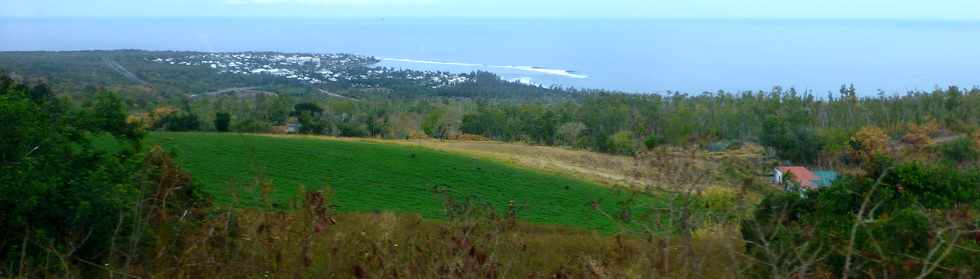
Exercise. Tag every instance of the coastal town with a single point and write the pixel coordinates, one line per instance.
(347, 69)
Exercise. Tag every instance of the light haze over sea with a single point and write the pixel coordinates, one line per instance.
(634, 55)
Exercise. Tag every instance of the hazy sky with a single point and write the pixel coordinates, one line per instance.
(850, 9)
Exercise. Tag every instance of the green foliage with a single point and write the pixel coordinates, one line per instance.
(369, 177)
(310, 123)
(222, 121)
(621, 143)
(934, 186)
(962, 150)
(432, 125)
(913, 205)
(792, 141)
(652, 141)
(58, 190)
(309, 108)
(376, 127)
(179, 122)
(906, 232)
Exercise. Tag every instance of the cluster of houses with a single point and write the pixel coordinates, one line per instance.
(798, 178)
(291, 66)
(311, 68)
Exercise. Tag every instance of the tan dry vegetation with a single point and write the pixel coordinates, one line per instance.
(387, 245)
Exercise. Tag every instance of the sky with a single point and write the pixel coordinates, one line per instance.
(761, 9)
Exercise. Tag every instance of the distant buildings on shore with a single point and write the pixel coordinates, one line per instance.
(313, 68)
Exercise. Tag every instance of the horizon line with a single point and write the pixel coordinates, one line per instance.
(679, 18)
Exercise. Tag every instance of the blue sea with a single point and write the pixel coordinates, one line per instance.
(633, 55)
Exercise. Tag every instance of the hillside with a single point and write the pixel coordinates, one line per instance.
(158, 75)
(373, 177)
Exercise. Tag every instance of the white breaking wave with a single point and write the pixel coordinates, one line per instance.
(547, 71)
(557, 72)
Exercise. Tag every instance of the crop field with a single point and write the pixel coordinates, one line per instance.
(377, 177)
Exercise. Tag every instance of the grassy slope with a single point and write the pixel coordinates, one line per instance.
(604, 169)
(381, 177)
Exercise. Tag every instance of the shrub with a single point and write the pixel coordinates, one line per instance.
(621, 143)
(918, 136)
(653, 140)
(867, 143)
(962, 150)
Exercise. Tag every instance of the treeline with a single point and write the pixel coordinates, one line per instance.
(773, 117)
(797, 127)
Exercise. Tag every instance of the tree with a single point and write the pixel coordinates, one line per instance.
(58, 190)
(310, 108)
(377, 126)
(868, 142)
(432, 124)
(622, 143)
(222, 121)
(570, 133)
(310, 123)
(791, 142)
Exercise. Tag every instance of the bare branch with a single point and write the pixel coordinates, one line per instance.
(858, 221)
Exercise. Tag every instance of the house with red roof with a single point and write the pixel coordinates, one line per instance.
(806, 179)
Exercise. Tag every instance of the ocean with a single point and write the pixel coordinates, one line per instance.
(632, 55)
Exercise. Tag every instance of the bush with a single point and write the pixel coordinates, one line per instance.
(621, 143)
(963, 150)
(653, 140)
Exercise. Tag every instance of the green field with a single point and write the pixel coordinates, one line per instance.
(370, 177)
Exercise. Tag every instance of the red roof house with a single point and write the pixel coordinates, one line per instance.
(801, 175)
